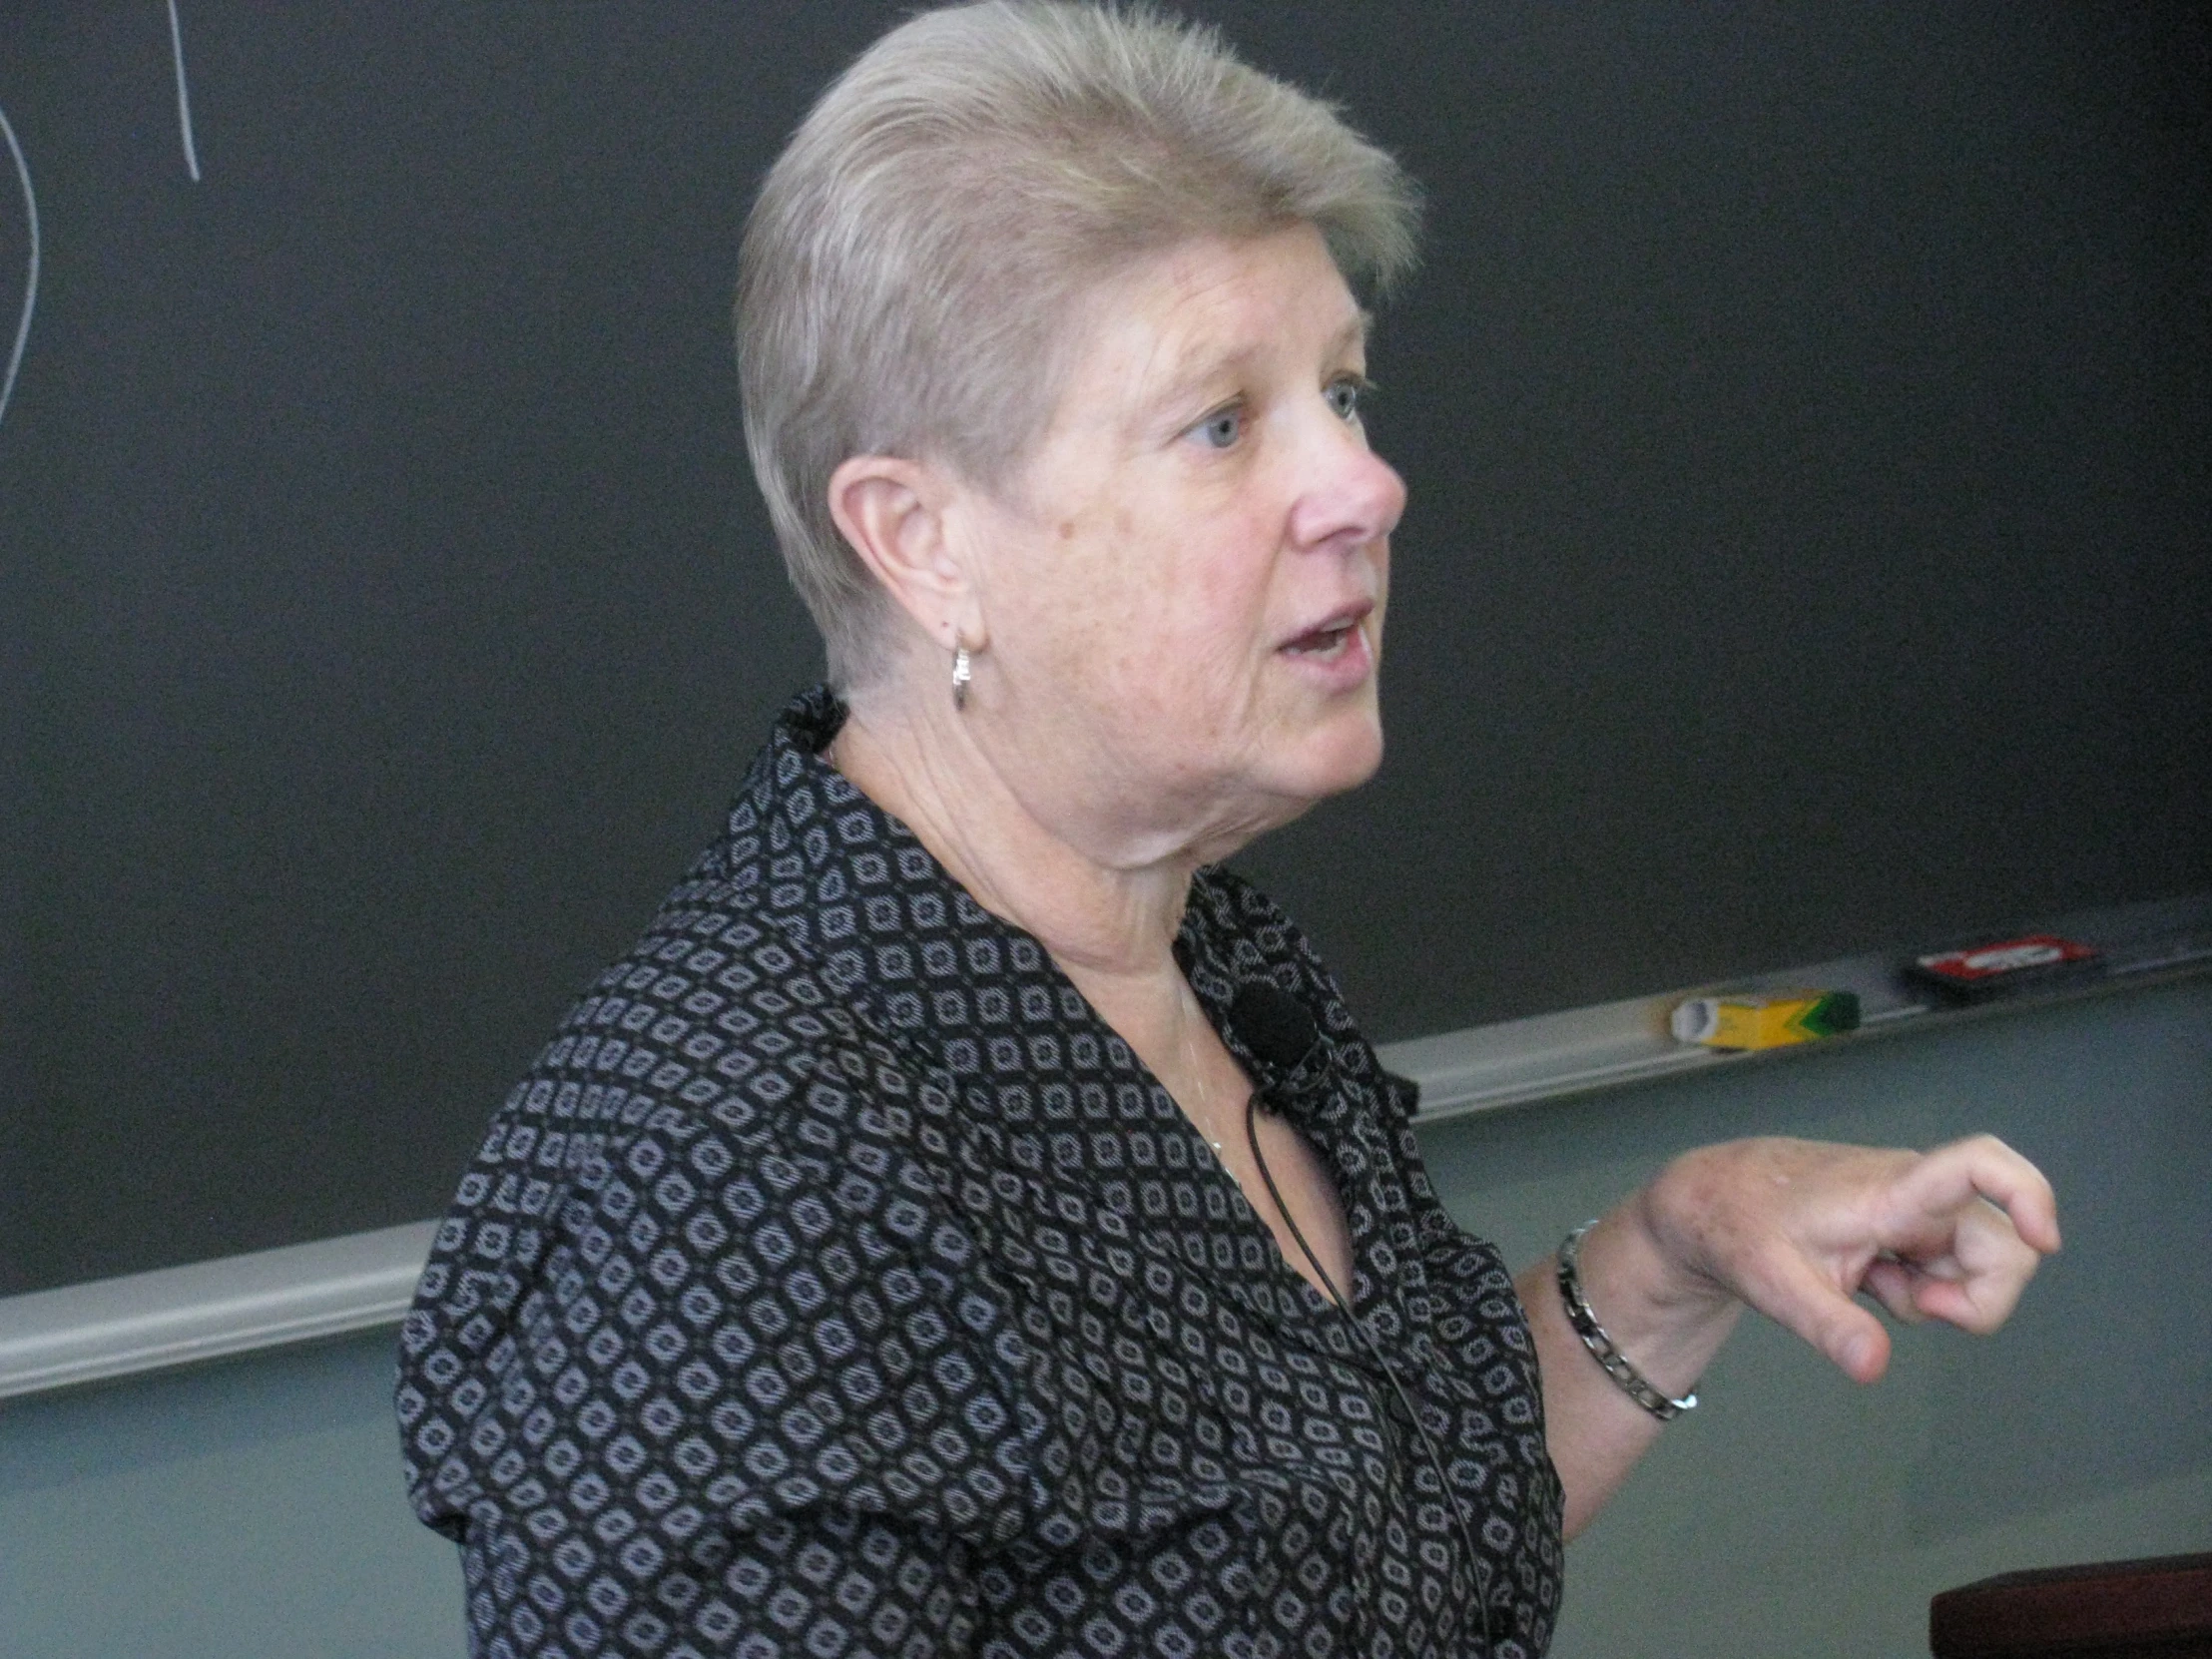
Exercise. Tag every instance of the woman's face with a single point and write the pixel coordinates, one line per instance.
(1183, 590)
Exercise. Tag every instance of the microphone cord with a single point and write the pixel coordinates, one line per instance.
(1375, 1352)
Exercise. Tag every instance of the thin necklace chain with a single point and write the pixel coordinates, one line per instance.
(1204, 1117)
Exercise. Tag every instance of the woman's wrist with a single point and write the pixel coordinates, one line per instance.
(1663, 1406)
(1662, 1316)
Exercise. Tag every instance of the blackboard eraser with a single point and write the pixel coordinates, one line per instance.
(2007, 967)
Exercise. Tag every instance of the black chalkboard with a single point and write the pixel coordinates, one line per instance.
(1806, 411)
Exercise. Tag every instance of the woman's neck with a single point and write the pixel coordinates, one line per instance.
(1109, 925)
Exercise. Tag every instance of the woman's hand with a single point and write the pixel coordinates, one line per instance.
(1794, 1229)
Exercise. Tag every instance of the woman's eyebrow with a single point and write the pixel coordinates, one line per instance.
(1181, 379)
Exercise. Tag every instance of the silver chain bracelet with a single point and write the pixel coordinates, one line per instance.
(1601, 1345)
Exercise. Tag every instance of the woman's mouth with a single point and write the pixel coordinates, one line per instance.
(1332, 636)
(1324, 641)
(1335, 649)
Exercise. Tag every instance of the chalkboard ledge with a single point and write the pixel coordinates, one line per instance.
(181, 1315)
(143, 1322)
(1612, 1044)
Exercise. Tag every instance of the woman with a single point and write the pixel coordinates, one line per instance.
(969, 1221)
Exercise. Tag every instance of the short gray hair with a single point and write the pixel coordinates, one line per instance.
(917, 251)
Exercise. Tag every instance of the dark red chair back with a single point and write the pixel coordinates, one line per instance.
(2153, 1609)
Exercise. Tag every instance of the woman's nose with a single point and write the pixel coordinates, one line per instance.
(1346, 492)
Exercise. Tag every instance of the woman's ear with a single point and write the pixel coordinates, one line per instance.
(892, 513)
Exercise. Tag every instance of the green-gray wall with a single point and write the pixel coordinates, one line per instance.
(253, 1511)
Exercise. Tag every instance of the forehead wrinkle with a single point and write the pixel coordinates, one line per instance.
(1165, 370)
(1179, 355)
(1195, 367)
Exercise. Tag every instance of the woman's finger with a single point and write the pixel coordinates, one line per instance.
(1948, 1180)
(1990, 1265)
(1788, 1289)
(1895, 1285)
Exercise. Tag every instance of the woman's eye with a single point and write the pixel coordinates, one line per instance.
(1221, 429)
(1343, 396)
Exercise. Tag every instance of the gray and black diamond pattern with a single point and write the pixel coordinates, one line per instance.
(837, 1284)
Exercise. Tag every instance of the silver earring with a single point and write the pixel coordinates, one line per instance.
(961, 675)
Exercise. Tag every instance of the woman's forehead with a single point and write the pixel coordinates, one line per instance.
(1178, 323)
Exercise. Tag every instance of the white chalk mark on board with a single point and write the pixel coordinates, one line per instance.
(184, 93)
(30, 282)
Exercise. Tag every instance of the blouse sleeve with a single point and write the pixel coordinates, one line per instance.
(733, 1388)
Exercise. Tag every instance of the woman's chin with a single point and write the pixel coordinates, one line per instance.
(1339, 751)
(1363, 755)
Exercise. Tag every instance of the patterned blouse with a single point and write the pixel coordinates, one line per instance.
(837, 1283)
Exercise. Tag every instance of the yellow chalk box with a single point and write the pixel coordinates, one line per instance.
(1772, 1020)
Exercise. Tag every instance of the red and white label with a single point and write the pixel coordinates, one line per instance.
(1988, 961)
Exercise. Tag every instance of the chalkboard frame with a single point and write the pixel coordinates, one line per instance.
(325, 800)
